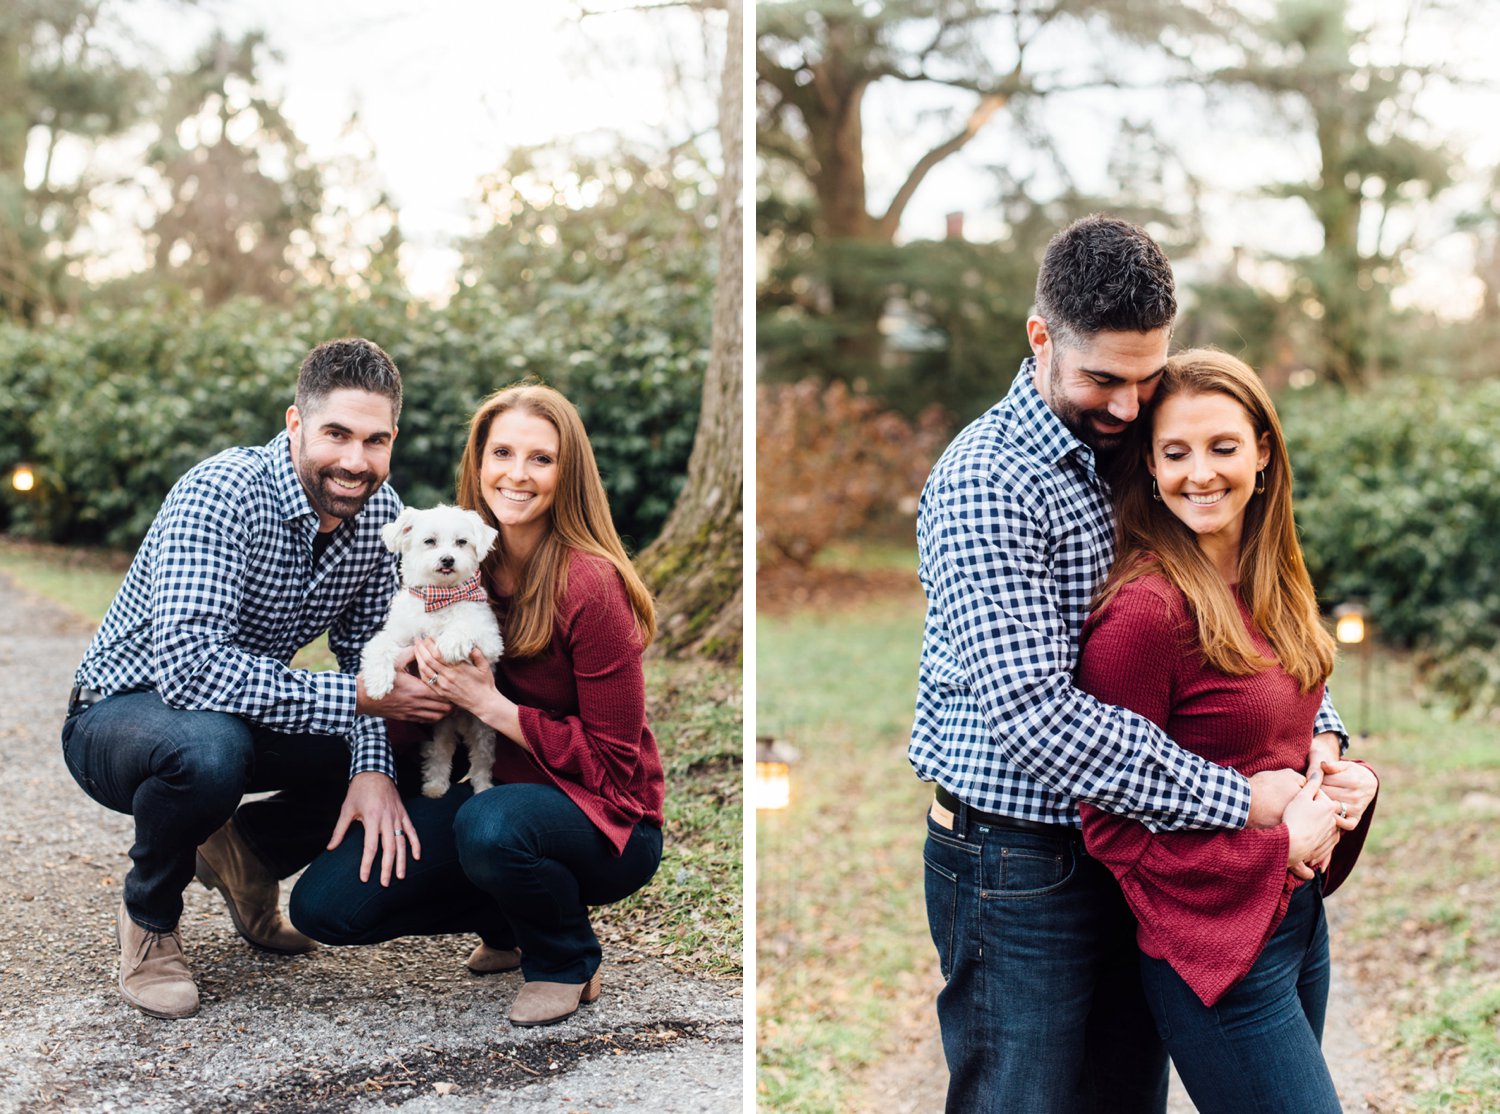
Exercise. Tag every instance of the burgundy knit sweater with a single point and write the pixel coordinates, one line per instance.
(583, 706)
(1206, 902)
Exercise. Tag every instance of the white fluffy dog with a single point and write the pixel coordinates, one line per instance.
(441, 598)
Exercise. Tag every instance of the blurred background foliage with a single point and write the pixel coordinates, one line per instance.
(1333, 218)
(591, 265)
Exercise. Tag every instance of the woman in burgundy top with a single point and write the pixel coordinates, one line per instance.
(575, 815)
(1208, 626)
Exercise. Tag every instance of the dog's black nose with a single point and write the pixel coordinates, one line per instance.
(445, 562)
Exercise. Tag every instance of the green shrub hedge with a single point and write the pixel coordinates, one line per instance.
(1399, 508)
(113, 407)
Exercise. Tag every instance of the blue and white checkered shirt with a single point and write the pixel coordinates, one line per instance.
(1015, 533)
(224, 591)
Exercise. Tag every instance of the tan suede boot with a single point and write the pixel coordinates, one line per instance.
(485, 960)
(251, 891)
(154, 976)
(545, 1003)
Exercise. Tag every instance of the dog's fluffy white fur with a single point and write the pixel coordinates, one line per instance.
(440, 547)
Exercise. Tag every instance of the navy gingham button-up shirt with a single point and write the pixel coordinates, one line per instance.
(224, 590)
(1014, 534)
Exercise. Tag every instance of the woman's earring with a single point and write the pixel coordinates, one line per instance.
(1260, 482)
(1155, 491)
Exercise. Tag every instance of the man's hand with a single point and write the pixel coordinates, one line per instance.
(1326, 747)
(373, 801)
(1270, 792)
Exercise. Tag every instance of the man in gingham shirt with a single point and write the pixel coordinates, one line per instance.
(185, 700)
(1042, 1009)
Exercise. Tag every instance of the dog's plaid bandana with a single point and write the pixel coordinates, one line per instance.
(435, 597)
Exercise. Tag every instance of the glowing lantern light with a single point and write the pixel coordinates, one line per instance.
(773, 774)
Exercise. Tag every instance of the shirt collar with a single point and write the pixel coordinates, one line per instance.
(1035, 428)
(291, 497)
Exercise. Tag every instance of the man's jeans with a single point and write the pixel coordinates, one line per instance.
(1257, 1049)
(1043, 1011)
(517, 864)
(182, 774)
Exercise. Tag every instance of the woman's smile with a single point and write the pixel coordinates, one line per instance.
(519, 473)
(1205, 456)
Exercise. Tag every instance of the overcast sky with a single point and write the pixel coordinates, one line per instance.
(447, 88)
(1236, 147)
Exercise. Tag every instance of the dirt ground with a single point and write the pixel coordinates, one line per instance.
(356, 1029)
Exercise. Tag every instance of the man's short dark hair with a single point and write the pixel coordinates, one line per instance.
(349, 363)
(1101, 274)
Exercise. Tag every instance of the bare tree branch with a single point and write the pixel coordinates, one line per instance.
(981, 115)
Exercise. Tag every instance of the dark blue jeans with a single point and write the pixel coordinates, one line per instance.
(182, 774)
(518, 864)
(1255, 1051)
(1042, 1011)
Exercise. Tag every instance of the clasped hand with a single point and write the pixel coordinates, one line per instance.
(1316, 808)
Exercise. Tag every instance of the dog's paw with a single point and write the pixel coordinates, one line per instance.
(378, 684)
(454, 648)
(480, 781)
(434, 789)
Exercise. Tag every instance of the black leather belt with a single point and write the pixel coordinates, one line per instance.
(81, 698)
(995, 820)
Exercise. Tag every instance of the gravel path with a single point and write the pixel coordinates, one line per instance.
(351, 1029)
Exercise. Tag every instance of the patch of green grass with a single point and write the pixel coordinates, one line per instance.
(841, 921)
(692, 912)
(867, 557)
(84, 581)
(1463, 1034)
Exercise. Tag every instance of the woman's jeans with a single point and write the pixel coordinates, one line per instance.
(1256, 1051)
(518, 864)
(182, 774)
(1042, 1011)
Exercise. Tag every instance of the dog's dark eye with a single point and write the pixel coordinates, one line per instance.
(461, 542)
(429, 542)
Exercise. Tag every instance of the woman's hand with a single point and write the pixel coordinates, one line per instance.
(470, 685)
(1326, 747)
(1352, 788)
(1312, 822)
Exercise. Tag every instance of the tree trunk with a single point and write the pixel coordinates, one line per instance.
(696, 566)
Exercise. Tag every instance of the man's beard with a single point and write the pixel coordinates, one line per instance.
(1080, 425)
(329, 500)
